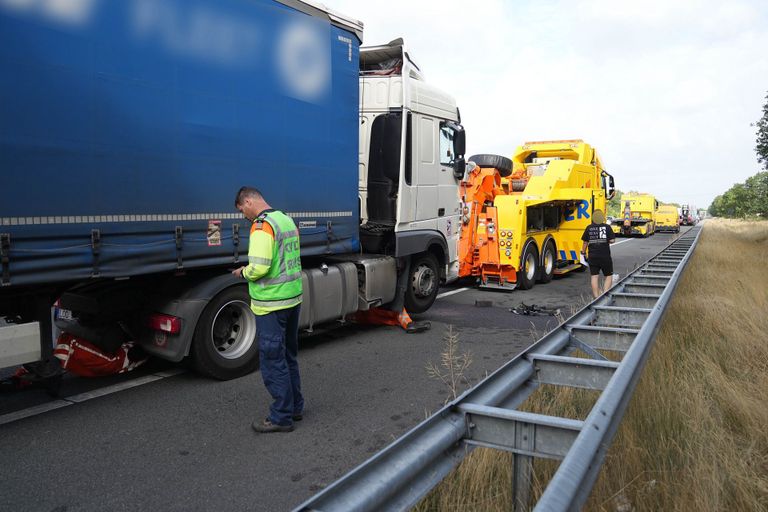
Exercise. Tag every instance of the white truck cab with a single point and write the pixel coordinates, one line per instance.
(411, 162)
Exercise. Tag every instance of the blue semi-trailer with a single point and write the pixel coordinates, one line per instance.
(126, 128)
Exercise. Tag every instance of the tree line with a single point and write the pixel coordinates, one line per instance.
(748, 199)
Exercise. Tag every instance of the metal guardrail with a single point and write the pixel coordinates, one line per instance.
(624, 320)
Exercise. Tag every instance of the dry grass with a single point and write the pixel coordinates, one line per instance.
(695, 436)
(452, 365)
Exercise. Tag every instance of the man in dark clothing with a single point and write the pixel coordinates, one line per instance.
(598, 236)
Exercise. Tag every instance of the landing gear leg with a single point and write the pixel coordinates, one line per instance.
(47, 371)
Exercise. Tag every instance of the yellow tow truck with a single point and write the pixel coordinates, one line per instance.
(523, 218)
(638, 215)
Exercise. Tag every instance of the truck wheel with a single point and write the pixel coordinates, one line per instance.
(547, 264)
(423, 283)
(502, 163)
(529, 268)
(225, 346)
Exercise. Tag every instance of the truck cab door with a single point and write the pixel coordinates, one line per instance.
(451, 159)
(425, 169)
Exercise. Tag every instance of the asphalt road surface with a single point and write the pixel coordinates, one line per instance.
(171, 440)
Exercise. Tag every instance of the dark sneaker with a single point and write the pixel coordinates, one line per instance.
(297, 417)
(267, 427)
(418, 326)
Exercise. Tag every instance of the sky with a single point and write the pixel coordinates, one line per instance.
(664, 89)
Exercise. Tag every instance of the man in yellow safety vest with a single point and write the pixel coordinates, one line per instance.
(274, 283)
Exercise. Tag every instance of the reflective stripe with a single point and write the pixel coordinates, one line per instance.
(282, 271)
(280, 235)
(276, 303)
(279, 279)
(255, 260)
(287, 234)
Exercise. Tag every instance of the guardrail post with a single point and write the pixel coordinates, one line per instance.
(522, 469)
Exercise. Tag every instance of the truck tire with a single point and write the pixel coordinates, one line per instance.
(225, 345)
(529, 267)
(548, 260)
(502, 163)
(423, 283)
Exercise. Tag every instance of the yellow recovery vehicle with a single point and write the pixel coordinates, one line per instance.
(523, 218)
(639, 215)
(667, 219)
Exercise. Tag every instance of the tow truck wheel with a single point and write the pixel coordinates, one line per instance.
(423, 283)
(502, 163)
(547, 264)
(225, 346)
(529, 268)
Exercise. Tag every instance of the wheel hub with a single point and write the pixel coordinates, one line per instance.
(530, 266)
(423, 281)
(549, 262)
(234, 329)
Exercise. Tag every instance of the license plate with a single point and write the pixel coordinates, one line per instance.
(63, 314)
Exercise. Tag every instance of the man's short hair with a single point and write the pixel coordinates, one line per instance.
(247, 192)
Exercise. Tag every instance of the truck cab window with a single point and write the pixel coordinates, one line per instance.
(446, 145)
(384, 168)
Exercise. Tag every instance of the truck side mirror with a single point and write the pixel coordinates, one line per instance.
(608, 184)
(459, 140)
(459, 166)
(459, 148)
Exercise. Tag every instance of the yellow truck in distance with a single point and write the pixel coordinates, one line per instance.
(523, 218)
(667, 219)
(638, 215)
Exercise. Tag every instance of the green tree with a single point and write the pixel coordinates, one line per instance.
(737, 201)
(716, 208)
(614, 205)
(762, 137)
(757, 189)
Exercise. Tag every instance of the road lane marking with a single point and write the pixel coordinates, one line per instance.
(96, 393)
(170, 373)
(627, 240)
(33, 411)
(88, 395)
(452, 292)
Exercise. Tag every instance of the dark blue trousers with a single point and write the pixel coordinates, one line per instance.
(278, 334)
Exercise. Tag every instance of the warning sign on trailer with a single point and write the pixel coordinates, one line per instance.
(214, 233)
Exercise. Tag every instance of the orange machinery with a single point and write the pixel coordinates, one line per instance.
(479, 250)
